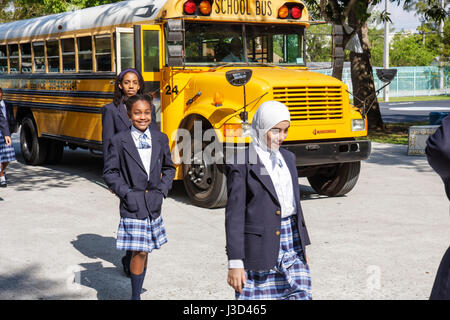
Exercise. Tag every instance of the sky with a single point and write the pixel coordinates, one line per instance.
(401, 19)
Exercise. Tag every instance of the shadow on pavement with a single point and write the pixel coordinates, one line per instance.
(308, 193)
(109, 282)
(22, 284)
(74, 165)
(178, 193)
(397, 155)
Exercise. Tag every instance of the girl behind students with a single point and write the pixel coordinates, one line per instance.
(114, 115)
(115, 119)
(265, 229)
(139, 170)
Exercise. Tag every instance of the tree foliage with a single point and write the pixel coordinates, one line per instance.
(12, 10)
(409, 50)
(318, 43)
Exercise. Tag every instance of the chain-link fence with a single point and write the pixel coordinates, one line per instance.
(409, 82)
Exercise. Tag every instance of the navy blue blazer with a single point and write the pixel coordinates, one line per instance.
(12, 123)
(253, 213)
(4, 127)
(438, 152)
(124, 173)
(115, 119)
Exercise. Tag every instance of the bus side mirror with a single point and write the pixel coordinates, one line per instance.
(175, 43)
(175, 55)
(238, 77)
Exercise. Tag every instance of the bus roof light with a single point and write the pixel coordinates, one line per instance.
(296, 12)
(204, 7)
(283, 12)
(189, 7)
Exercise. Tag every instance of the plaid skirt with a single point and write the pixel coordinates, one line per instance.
(290, 279)
(141, 235)
(7, 153)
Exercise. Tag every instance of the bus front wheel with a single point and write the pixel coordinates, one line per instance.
(336, 181)
(205, 183)
(34, 149)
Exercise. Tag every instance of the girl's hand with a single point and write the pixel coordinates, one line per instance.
(8, 140)
(236, 279)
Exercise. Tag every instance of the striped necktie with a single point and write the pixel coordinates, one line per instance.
(275, 160)
(143, 144)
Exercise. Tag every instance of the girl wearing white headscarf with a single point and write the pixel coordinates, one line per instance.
(265, 229)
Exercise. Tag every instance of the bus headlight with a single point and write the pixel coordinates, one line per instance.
(358, 125)
(246, 129)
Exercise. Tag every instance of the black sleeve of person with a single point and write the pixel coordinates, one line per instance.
(438, 152)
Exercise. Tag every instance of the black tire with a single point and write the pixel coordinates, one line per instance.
(338, 180)
(205, 183)
(34, 149)
(55, 150)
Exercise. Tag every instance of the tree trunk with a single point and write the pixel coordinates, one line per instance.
(363, 82)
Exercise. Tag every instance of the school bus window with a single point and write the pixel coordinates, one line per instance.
(3, 59)
(68, 55)
(25, 49)
(275, 44)
(126, 50)
(84, 54)
(53, 55)
(39, 56)
(13, 58)
(151, 50)
(103, 52)
(209, 43)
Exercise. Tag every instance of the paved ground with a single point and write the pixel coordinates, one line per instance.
(404, 111)
(382, 241)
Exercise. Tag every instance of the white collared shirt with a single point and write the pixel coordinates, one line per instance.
(282, 182)
(145, 154)
(281, 179)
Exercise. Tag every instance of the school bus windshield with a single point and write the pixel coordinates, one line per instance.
(214, 44)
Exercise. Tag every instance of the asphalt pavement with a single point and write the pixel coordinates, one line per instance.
(409, 111)
(384, 240)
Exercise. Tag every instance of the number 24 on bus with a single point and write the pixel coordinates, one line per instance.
(58, 72)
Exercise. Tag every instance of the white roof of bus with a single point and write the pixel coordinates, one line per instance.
(90, 18)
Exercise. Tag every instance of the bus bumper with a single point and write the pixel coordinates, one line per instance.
(317, 153)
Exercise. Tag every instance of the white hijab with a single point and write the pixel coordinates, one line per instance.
(268, 115)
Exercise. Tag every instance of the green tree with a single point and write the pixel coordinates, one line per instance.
(57, 6)
(13, 10)
(20, 9)
(409, 50)
(376, 38)
(431, 14)
(318, 43)
(356, 13)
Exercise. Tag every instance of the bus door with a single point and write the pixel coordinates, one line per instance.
(125, 49)
(148, 44)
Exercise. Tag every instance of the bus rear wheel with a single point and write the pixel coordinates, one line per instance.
(34, 149)
(336, 181)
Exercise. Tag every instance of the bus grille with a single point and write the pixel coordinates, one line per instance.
(311, 103)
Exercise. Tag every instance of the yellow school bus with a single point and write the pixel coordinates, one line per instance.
(58, 72)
